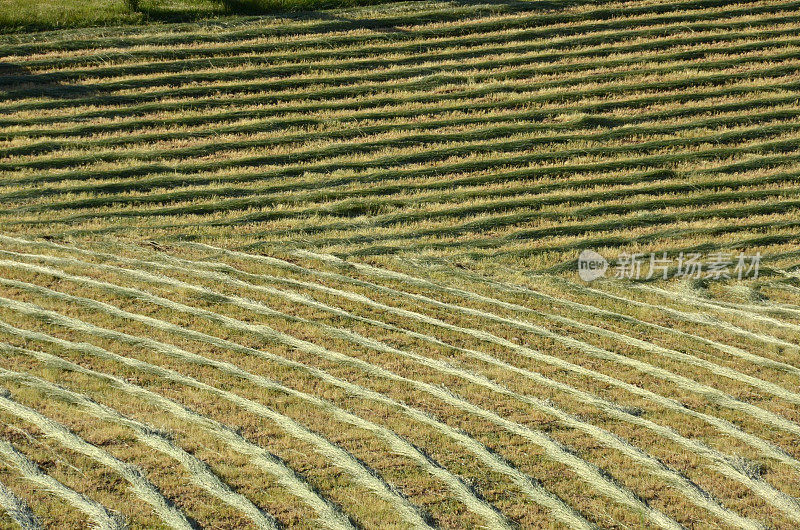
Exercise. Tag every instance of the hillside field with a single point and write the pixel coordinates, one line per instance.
(320, 269)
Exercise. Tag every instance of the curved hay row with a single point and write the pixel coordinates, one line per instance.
(681, 315)
(139, 484)
(552, 448)
(687, 488)
(398, 444)
(329, 515)
(723, 426)
(765, 489)
(558, 509)
(198, 471)
(341, 458)
(537, 493)
(103, 518)
(17, 509)
(708, 320)
(710, 392)
(727, 308)
(722, 462)
(765, 386)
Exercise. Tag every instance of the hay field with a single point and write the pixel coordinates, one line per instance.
(319, 270)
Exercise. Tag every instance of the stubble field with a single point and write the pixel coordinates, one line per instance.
(319, 270)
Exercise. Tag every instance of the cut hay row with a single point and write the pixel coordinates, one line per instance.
(730, 237)
(255, 118)
(620, 317)
(283, 26)
(192, 266)
(703, 319)
(503, 153)
(719, 459)
(344, 60)
(420, 21)
(276, 106)
(729, 309)
(733, 212)
(693, 232)
(199, 472)
(410, 513)
(477, 190)
(724, 426)
(555, 451)
(763, 233)
(557, 508)
(501, 213)
(412, 137)
(603, 205)
(786, 503)
(141, 487)
(122, 92)
(752, 41)
(255, 196)
(606, 229)
(624, 103)
(765, 386)
(335, 47)
(169, 59)
(402, 52)
(226, 278)
(101, 516)
(656, 467)
(17, 509)
(773, 71)
(506, 28)
(782, 286)
(329, 515)
(391, 243)
(626, 23)
(780, 108)
(396, 443)
(745, 311)
(709, 392)
(318, 270)
(764, 492)
(769, 306)
(699, 497)
(394, 180)
(346, 203)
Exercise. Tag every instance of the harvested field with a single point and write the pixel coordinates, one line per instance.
(320, 270)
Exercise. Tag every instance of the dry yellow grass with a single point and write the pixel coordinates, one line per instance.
(321, 272)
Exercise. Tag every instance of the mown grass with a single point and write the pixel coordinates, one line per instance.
(443, 331)
(320, 266)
